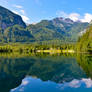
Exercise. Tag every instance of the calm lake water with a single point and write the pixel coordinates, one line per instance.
(46, 73)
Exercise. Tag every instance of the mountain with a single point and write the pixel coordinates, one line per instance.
(12, 27)
(8, 18)
(85, 41)
(64, 29)
(44, 30)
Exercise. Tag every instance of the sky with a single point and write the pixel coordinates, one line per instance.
(33, 11)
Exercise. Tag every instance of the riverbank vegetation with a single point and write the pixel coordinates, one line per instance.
(33, 47)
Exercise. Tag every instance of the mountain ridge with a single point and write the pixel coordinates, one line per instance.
(14, 29)
(64, 27)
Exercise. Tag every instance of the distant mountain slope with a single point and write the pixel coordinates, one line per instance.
(44, 30)
(65, 29)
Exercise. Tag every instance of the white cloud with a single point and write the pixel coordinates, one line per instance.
(74, 84)
(25, 82)
(22, 13)
(12, 90)
(25, 18)
(15, 12)
(88, 82)
(87, 17)
(21, 88)
(84, 83)
(18, 6)
(74, 16)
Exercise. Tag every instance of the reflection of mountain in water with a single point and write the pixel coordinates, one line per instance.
(85, 61)
(57, 69)
(30, 84)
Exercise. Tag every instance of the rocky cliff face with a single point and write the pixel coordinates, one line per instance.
(8, 18)
(12, 27)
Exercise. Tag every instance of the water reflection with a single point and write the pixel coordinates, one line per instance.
(30, 84)
(85, 61)
(51, 73)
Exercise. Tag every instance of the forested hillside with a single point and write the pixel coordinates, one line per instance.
(85, 42)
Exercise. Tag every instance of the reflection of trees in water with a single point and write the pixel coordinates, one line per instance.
(85, 61)
(54, 68)
(29, 54)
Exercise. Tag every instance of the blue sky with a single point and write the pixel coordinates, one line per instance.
(33, 11)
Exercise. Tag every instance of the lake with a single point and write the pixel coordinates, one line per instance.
(46, 73)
